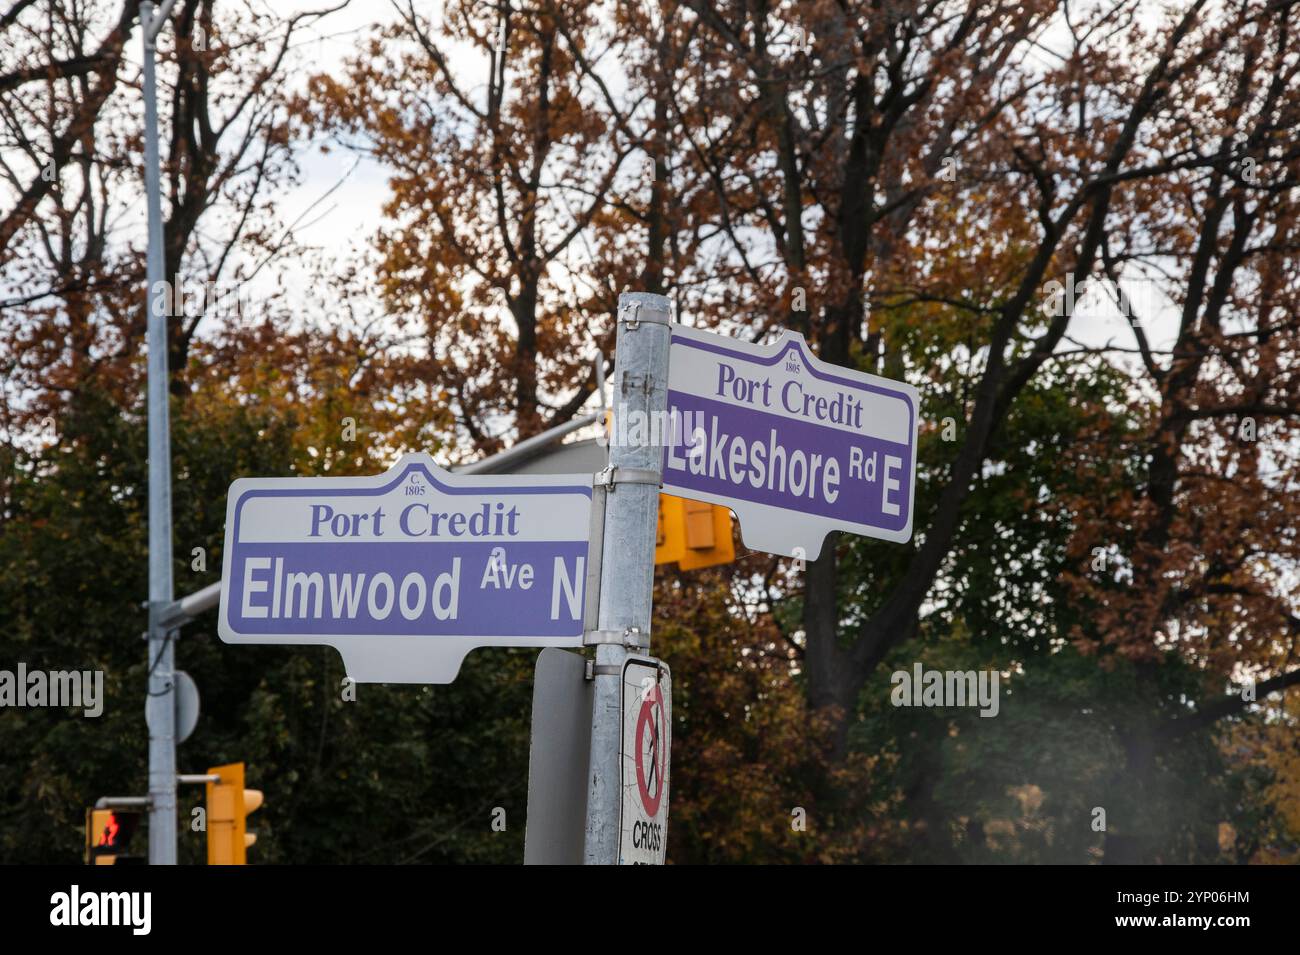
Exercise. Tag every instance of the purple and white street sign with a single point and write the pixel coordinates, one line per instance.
(795, 446)
(407, 571)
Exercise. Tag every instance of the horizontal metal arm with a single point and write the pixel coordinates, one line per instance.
(182, 611)
(497, 463)
(123, 802)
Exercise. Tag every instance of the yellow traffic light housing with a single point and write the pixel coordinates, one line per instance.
(229, 804)
(693, 534)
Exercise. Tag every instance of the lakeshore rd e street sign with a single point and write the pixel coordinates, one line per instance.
(795, 446)
(407, 571)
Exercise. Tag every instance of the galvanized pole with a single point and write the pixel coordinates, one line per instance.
(628, 546)
(161, 700)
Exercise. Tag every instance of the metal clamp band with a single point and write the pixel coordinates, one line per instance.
(653, 318)
(612, 475)
(627, 637)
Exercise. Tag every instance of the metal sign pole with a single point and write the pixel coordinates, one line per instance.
(631, 489)
(160, 704)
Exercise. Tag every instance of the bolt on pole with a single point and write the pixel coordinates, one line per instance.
(627, 566)
(161, 660)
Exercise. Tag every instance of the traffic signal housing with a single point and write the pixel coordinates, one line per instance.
(693, 534)
(229, 804)
(108, 836)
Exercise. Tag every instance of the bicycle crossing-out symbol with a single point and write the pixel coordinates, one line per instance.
(651, 753)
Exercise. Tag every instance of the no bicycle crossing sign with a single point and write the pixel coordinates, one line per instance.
(647, 739)
(407, 571)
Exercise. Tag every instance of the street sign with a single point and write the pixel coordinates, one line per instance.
(558, 757)
(187, 705)
(407, 571)
(647, 742)
(795, 446)
(184, 700)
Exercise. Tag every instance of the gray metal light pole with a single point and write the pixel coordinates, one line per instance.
(161, 702)
(627, 549)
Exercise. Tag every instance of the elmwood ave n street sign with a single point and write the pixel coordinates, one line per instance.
(795, 446)
(407, 571)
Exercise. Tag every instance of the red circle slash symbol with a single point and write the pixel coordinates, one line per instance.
(651, 754)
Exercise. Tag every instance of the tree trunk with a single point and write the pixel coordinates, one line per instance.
(832, 680)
